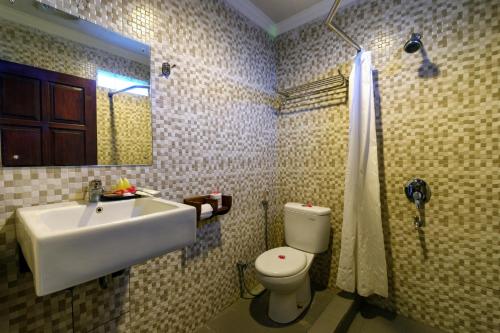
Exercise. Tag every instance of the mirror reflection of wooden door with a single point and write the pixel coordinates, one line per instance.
(46, 118)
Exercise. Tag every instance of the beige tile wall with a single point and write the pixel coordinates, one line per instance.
(444, 128)
(123, 134)
(213, 127)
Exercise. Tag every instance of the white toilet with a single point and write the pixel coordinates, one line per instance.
(284, 271)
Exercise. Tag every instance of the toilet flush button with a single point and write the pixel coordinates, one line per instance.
(282, 257)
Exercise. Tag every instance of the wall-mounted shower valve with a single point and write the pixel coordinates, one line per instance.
(418, 192)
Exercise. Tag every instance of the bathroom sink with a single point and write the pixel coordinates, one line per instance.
(70, 243)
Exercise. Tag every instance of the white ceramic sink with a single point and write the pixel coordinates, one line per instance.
(73, 242)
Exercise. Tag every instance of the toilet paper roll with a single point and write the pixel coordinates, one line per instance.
(206, 211)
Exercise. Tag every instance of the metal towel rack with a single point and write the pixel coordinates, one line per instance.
(322, 93)
(318, 94)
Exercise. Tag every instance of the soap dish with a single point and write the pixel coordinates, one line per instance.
(116, 197)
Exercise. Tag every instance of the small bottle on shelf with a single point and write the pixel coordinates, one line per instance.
(216, 195)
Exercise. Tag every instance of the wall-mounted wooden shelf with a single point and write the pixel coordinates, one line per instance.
(197, 201)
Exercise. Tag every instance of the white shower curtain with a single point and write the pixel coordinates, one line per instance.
(362, 265)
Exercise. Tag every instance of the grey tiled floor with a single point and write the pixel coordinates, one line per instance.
(250, 316)
(373, 320)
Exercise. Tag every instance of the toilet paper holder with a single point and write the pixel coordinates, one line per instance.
(198, 201)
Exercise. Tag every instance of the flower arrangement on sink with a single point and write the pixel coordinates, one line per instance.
(123, 187)
(122, 190)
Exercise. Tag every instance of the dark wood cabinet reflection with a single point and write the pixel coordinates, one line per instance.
(46, 118)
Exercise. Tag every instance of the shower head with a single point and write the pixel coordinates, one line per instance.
(414, 43)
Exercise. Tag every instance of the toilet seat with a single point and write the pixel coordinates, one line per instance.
(281, 262)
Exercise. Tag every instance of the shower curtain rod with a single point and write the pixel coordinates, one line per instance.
(112, 93)
(329, 23)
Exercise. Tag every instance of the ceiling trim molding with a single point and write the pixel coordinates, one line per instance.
(256, 15)
(309, 14)
(252, 12)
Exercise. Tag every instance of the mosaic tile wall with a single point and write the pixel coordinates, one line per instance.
(213, 127)
(438, 120)
(124, 135)
(129, 127)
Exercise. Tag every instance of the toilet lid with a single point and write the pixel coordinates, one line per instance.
(280, 262)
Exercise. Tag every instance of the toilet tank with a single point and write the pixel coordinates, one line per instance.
(307, 228)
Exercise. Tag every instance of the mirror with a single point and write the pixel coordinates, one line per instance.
(71, 92)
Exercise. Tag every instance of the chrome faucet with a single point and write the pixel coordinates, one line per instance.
(95, 190)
